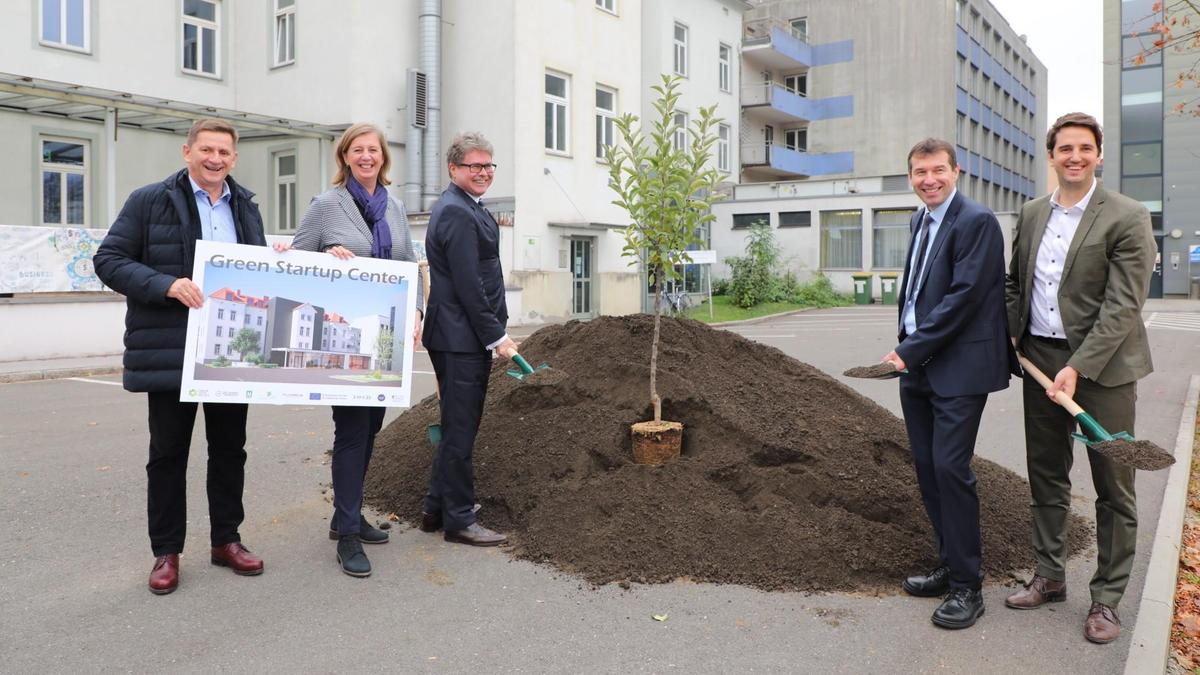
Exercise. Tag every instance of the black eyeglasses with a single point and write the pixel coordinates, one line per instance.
(476, 168)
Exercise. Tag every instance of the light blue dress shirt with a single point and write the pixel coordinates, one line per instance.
(910, 300)
(216, 220)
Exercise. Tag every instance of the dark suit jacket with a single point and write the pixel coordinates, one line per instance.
(961, 338)
(1105, 280)
(466, 309)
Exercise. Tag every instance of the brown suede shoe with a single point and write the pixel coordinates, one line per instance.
(164, 578)
(1102, 626)
(238, 558)
(1037, 592)
(475, 535)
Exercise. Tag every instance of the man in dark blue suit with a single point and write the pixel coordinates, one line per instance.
(464, 321)
(955, 346)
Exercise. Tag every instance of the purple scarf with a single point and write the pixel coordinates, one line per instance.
(374, 210)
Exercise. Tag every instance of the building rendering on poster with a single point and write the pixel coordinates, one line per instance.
(299, 328)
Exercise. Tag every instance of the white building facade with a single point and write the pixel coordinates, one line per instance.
(95, 98)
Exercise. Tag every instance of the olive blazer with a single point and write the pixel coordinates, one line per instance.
(1105, 280)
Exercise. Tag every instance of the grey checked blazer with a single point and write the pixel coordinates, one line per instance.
(333, 219)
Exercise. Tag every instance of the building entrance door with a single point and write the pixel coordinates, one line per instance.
(581, 278)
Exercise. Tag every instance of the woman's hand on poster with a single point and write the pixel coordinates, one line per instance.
(281, 247)
(340, 252)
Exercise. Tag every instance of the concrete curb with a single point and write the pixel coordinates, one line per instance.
(56, 374)
(1151, 641)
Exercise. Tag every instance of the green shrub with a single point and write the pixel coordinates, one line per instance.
(819, 292)
(720, 287)
(220, 362)
(753, 276)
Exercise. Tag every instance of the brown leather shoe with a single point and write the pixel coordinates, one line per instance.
(238, 558)
(1037, 592)
(1102, 625)
(475, 535)
(164, 578)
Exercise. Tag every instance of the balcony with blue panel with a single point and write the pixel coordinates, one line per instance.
(775, 104)
(776, 44)
(771, 161)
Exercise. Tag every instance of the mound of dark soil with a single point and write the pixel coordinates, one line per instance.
(788, 479)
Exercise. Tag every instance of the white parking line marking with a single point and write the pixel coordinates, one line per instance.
(84, 379)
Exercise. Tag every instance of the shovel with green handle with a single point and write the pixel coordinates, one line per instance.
(526, 369)
(1116, 447)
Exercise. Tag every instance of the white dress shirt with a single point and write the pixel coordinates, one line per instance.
(1045, 318)
(910, 299)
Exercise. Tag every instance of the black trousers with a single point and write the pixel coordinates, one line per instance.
(463, 378)
(354, 431)
(942, 432)
(171, 424)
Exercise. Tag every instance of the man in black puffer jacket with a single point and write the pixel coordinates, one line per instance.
(147, 256)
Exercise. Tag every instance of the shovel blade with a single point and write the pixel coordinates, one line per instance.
(522, 375)
(434, 431)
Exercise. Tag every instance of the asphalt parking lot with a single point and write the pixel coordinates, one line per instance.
(74, 558)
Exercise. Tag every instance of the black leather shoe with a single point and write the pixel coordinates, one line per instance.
(961, 608)
(932, 585)
(431, 522)
(351, 557)
(367, 533)
(475, 535)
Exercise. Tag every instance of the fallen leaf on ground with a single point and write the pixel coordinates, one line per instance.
(659, 617)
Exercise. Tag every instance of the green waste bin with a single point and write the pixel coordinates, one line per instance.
(887, 287)
(862, 288)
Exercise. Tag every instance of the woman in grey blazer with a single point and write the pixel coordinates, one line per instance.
(357, 218)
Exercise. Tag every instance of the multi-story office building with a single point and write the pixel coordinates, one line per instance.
(95, 97)
(835, 93)
(1150, 146)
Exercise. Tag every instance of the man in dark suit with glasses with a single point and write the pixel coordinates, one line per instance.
(464, 322)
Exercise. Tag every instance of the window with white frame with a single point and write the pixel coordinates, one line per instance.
(606, 113)
(800, 28)
(607, 5)
(64, 166)
(796, 139)
(797, 84)
(65, 23)
(723, 134)
(680, 138)
(725, 67)
(285, 32)
(681, 49)
(558, 90)
(201, 36)
(285, 191)
(841, 239)
(890, 235)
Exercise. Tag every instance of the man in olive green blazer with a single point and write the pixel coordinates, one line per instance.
(1080, 272)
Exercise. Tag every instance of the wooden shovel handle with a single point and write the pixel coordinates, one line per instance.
(1059, 397)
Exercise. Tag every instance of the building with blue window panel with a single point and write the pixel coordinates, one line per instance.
(834, 93)
(1151, 136)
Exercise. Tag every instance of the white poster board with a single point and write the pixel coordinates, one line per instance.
(299, 328)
